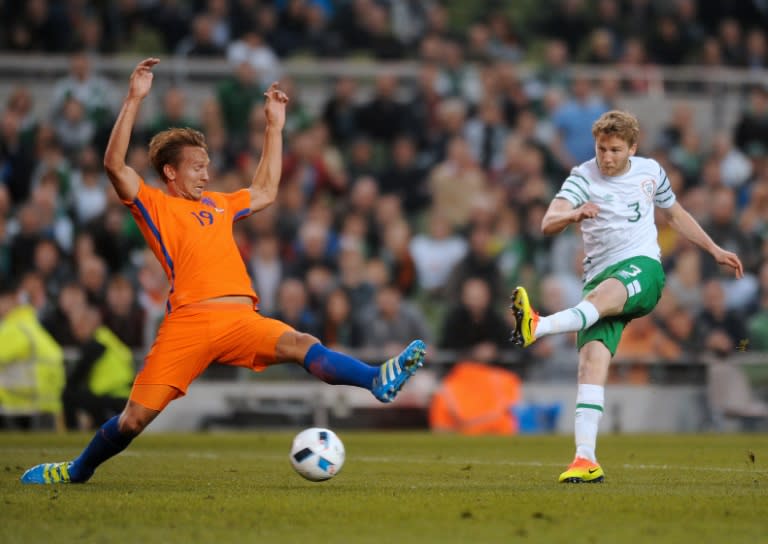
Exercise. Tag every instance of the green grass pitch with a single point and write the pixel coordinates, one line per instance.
(395, 487)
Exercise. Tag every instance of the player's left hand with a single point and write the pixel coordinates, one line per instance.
(274, 106)
(729, 259)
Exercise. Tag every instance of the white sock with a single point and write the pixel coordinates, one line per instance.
(580, 317)
(589, 411)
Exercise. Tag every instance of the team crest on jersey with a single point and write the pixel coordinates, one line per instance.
(649, 188)
(211, 204)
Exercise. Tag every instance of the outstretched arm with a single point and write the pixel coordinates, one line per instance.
(124, 179)
(266, 179)
(686, 225)
(561, 213)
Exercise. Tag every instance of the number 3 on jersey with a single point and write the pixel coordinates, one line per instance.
(204, 217)
(636, 208)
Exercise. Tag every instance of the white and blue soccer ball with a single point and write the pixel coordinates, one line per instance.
(317, 454)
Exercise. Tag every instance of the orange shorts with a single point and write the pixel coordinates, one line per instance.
(194, 336)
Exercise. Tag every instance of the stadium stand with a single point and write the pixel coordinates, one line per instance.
(362, 73)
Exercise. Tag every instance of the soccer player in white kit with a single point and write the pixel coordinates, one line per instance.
(613, 196)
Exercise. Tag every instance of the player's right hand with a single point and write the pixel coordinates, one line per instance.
(586, 211)
(141, 78)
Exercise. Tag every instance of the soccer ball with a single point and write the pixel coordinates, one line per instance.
(317, 454)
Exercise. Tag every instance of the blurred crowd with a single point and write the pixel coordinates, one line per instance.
(408, 211)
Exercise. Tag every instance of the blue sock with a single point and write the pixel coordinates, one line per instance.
(107, 442)
(338, 369)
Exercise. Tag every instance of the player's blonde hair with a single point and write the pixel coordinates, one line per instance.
(620, 123)
(165, 147)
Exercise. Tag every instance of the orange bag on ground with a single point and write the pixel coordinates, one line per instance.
(476, 398)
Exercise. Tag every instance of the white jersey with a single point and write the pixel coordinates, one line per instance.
(625, 226)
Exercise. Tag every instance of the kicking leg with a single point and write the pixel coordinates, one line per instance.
(336, 368)
(112, 438)
(607, 299)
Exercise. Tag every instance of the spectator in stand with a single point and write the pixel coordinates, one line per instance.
(293, 307)
(349, 21)
(390, 319)
(100, 381)
(506, 43)
(340, 329)
(74, 130)
(405, 178)
(171, 20)
(92, 275)
(478, 43)
(724, 230)
(569, 21)
(314, 246)
(667, 45)
(754, 216)
(354, 280)
(643, 343)
(688, 156)
(121, 313)
(202, 41)
(382, 43)
(31, 361)
(32, 284)
(486, 133)
(480, 262)
(95, 93)
(756, 49)
(601, 49)
(574, 118)
(752, 126)
(680, 119)
(251, 48)
(722, 330)
(173, 113)
(16, 156)
(435, 253)
(383, 117)
(91, 189)
(451, 119)
(308, 165)
(236, 96)
(5, 251)
(409, 21)
(152, 294)
(685, 279)
(635, 68)
(36, 27)
(50, 264)
(457, 78)
(733, 165)
(473, 327)
(691, 29)
(422, 121)
(23, 242)
(757, 322)
(340, 111)
(453, 179)
(362, 160)
(58, 319)
(266, 268)
(396, 254)
(319, 39)
(731, 42)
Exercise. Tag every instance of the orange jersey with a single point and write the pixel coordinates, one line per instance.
(194, 243)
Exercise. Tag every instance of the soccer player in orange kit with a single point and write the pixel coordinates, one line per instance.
(211, 313)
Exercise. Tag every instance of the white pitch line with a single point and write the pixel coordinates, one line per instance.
(452, 461)
(60, 452)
